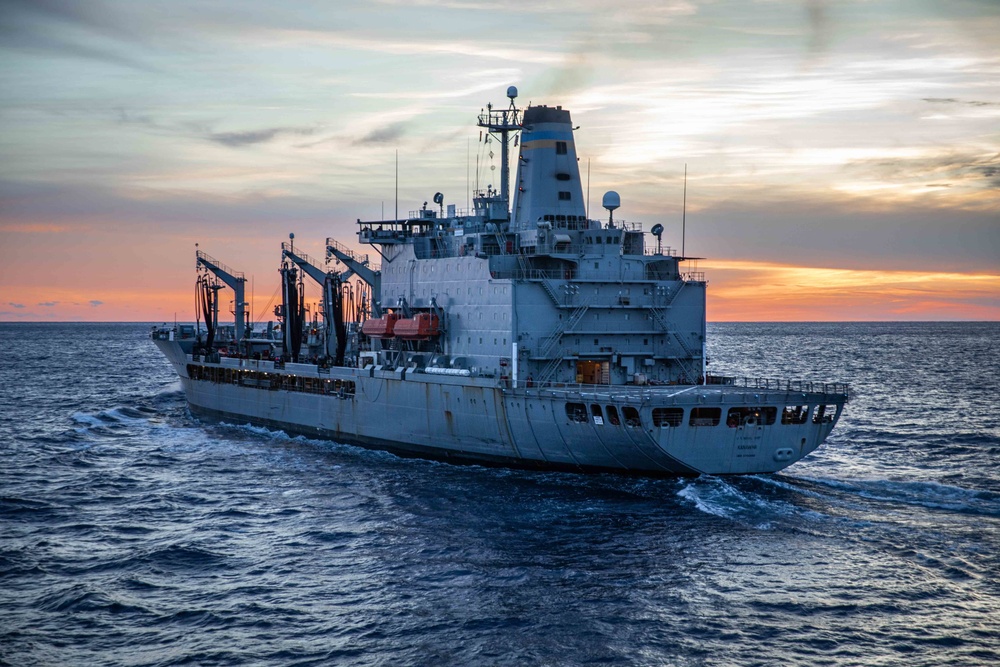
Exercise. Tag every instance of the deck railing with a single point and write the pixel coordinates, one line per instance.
(763, 384)
(776, 384)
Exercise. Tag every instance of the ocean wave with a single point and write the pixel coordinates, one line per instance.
(718, 497)
(91, 419)
(183, 557)
(929, 494)
(83, 598)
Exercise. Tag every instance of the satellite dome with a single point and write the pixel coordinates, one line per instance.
(611, 200)
(512, 92)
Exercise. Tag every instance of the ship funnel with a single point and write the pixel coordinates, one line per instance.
(547, 187)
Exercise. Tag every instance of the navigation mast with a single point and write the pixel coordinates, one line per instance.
(503, 123)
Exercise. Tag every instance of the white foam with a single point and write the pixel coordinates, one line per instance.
(87, 418)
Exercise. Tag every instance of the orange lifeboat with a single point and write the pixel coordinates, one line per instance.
(383, 327)
(423, 326)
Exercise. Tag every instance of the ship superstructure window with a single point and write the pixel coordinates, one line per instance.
(631, 417)
(560, 148)
(824, 414)
(668, 416)
(613, 416)
(595, 411)
(705, 416)
(577, 412)
(564, 195)
(794, 414)
(751, 416)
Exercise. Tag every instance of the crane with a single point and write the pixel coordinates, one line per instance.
(357, 265)
(234, 280)
(335, 340)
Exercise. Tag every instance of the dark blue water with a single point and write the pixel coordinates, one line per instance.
(131, 534)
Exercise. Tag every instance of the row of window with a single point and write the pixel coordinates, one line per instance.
(702, 416)
(577, 412)
(262, 380)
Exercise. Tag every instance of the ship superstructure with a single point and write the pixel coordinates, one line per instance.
(520, 333)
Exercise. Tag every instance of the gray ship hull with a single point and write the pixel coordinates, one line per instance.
(660, 430)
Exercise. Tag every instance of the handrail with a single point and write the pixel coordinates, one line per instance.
(203, 256)
(334, 243)
(779, 384)
(765, 384)
(286, 247)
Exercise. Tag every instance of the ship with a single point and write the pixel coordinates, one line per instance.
(518, 332)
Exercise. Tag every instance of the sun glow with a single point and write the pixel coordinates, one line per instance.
(757, 291)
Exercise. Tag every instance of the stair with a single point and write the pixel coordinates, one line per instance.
(549, 369)
(553, 338)
(673, 297)
(551, 292)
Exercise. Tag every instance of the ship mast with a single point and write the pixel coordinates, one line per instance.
(503, 123)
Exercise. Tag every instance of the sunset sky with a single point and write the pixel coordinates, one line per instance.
(843, 157)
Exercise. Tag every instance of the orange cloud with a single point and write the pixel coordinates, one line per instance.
(761, 291)
(38, 228)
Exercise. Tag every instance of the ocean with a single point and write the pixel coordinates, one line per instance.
(133, 534)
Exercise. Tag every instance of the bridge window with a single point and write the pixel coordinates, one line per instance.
(560, 148)
(668, 416)
(564, 195)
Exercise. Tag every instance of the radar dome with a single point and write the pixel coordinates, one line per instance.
(512, 92)
(611, 200)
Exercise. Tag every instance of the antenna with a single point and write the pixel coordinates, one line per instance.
(396, 218)
(684, 212)
(587, 212)
(657, 231)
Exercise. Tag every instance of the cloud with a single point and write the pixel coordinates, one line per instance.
(203, 130)
(37, 228)
(381, 135)
(48, 303)
(952, 100)
(965, 169)
(66, 29)
(250, 137)
(795, 292)
(819, 27)
(95, 303)
(15, 305)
